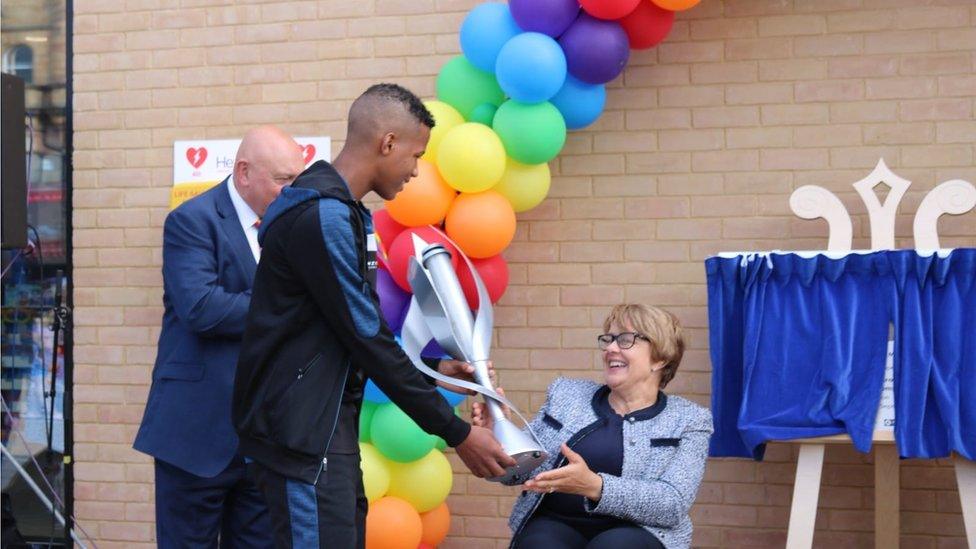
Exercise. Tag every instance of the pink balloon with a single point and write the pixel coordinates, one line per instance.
(402, 250)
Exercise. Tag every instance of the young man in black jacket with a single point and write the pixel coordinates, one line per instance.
(315, 332)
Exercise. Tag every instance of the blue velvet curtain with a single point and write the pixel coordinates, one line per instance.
(798, 348)
(935, 354)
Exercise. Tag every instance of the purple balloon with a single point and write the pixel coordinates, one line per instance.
(393, 300)
(596, 50)
(550, 17)
(433, 350)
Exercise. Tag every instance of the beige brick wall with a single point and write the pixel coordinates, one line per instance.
(701, 144)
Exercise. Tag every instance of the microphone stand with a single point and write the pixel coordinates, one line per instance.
(61, 314)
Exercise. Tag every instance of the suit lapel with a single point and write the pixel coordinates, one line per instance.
(231, 226)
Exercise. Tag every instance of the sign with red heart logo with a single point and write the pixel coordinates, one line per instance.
(200, 164)
(309, 153)
(196, 156)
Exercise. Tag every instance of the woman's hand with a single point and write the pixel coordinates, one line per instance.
(480, 415)
(573, 478)
(461, 370)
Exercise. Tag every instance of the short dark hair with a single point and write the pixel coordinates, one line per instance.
(397, 93)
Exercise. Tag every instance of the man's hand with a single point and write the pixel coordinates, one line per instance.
(573, 478)
(461, 370)
(482, 454)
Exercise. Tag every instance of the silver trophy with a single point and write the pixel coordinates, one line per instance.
(440, 311)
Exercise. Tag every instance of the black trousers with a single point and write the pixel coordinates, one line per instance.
(330, 514)
(548, 533)
(195, 512)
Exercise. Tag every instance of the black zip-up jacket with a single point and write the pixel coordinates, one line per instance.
(313, 322)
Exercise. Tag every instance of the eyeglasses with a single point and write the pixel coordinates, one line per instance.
(625, 340)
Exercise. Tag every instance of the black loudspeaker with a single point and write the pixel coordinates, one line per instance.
(13, 163)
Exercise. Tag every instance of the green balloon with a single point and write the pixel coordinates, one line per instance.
(366, 420)
(532, 134)
(464, 86)
(484, 113)
(397, 436)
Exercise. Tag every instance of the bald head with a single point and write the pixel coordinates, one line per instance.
(267, 160)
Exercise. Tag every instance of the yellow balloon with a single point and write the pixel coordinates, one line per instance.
(524, 185)
(424, 483)
(445, 118)
(471, 157)
(376, 473)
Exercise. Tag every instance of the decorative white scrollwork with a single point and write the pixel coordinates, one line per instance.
(813, 201)
(953, 197)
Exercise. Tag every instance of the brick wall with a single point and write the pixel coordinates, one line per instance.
(701, 144)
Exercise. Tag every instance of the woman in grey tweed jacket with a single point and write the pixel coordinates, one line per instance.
(625, 460)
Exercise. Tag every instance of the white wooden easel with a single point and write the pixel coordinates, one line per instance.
(809, 202)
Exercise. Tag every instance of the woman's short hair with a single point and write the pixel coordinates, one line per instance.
(661, 327)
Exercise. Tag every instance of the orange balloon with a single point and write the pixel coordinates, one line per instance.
(424, 200)
(436, 522)
(676, 5)
(482, 224)
(392, 524)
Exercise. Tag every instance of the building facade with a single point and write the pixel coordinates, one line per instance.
(702, 141)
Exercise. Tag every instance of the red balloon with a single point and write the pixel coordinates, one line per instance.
(647, 25)
(402, 250)
(386, 228)
(494, 273)
(609, 9)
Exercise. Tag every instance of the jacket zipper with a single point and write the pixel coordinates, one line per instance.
(324, 466)
(572, 442)
(325, 459)
(304, 369)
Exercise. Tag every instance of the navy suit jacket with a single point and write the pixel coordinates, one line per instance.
(208, 271)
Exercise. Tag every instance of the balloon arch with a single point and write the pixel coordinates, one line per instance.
(530, 71)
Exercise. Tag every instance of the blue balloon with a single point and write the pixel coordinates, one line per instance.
(485, 30)
(451, 397)
(531, 67)
(580, 103)
(373, 393)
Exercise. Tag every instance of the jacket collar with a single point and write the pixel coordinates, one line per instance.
(602, 408)
(231, 225)
(320, 180)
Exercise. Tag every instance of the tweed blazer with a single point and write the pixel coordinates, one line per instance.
(663, 461)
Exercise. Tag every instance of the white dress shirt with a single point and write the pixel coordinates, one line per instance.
(247, 217)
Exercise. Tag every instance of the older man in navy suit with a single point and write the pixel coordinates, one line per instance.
(210, 253)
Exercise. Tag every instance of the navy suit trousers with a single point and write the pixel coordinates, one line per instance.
(203, 513)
